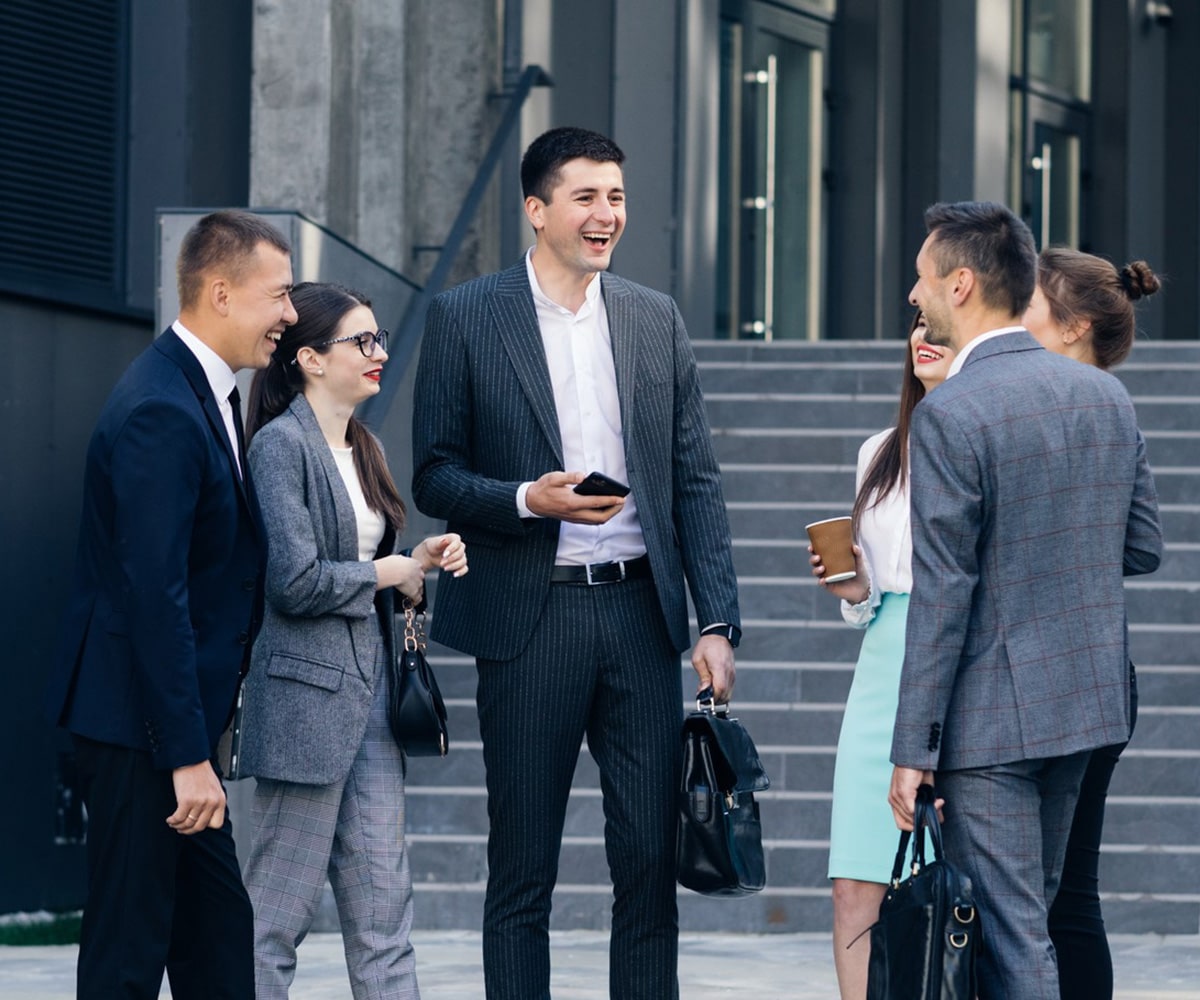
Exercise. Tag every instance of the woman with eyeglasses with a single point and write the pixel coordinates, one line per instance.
(329, 801)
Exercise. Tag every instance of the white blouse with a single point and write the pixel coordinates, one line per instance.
(885, 534)
(371, 525)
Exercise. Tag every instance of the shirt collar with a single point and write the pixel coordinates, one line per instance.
(589, 296)
(961, 358)
(220, 376)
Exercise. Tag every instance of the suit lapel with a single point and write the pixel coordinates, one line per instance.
(621, 308)
(345, 543)
(175, 349)
(512, 310)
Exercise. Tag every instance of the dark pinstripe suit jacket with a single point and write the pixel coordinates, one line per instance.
(1031, 497)
(485, 421)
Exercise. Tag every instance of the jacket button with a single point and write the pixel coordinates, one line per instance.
(248, 584)
(243, 638)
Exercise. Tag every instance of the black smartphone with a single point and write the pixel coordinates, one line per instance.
(598, 484)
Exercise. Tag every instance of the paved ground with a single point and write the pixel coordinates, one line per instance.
(771, 967)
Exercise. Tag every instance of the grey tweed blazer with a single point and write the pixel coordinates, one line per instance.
(1031, 498)
(318, 657)
(484, 422)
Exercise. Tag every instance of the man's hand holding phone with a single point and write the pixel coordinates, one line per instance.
(572, 496)
(597, 484)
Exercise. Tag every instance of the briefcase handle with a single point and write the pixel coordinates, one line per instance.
(924, 818)
(705, 702)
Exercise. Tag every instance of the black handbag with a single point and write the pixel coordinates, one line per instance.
(720, 850)
(927, 939)
(416, 711)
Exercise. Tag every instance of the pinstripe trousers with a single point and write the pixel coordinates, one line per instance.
(600, 663)
(353, 833)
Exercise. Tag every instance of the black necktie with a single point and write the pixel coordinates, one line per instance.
(235, 401)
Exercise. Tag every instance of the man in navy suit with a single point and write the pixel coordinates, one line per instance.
(1031, 499)
(165, 603)
(575, 608)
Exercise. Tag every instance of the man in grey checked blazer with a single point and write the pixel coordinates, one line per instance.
(575, 607)
(1031, 498)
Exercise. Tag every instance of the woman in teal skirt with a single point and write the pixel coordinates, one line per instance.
(863, 836)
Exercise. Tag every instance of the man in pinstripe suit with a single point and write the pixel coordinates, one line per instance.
(575, 609)
(1031, 498)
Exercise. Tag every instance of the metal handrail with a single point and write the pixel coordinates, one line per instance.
(404, 343)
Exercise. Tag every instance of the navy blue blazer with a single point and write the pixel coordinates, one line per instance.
(168, 579)
(484, 421)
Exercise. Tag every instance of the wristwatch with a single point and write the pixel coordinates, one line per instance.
(730, 632)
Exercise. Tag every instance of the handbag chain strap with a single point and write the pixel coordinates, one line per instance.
(414, 627)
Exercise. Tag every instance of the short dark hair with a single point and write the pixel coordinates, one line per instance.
(993, 242)
(543, 160)
(1081, 286)
(228, 239)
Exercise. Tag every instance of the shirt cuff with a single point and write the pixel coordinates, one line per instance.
(730, 632)
(522, 508)
(860, 615)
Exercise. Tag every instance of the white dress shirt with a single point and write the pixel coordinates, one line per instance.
(579, 355)
(220, 379)
(885, 535)
(961, 358)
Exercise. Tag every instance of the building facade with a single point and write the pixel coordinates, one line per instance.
(780, 155)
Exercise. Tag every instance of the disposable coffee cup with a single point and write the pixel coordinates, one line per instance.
(832, 539)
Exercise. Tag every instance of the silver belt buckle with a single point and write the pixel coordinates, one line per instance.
(587, 568)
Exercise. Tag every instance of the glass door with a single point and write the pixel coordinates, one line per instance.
(1052, 72)
(1056, 173)
(771, 242)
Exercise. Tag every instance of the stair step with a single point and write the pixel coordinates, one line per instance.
(785, 518)
(884, 376)
(878, 410)
(840, 445)
(745, 481)
(781, 557)
(1159, 353)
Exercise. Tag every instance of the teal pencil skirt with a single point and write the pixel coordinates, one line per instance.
(863, 835)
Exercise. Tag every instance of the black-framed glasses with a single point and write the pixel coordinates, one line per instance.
(366, 341)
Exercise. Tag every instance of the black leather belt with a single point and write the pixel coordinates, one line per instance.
(606, 572)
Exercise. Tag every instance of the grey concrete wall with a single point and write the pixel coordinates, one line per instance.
(371, 117)
(645, 125)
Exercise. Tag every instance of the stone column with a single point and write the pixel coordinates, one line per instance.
(371, 117)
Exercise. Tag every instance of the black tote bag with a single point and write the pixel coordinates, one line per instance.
(925, 944)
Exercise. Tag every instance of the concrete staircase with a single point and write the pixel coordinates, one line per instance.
(787, 422)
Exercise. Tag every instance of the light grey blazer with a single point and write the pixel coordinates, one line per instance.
(1031, 498)
(320, 653)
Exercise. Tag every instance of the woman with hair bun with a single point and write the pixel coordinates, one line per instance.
(1083, 308)
(329, 801)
